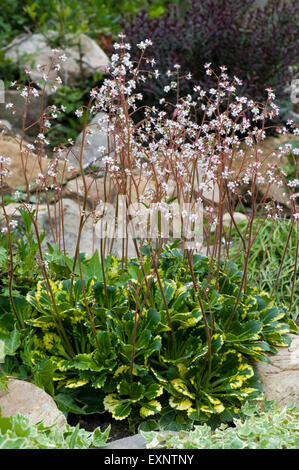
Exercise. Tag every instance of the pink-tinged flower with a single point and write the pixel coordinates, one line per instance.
(24, 93)
(114, 168)
(35, 92)
(79, 112)
(30, 146)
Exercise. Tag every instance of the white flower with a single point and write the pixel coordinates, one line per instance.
(13, 223)
(102, 149)
(114, 168)
(30, 146)
(35, 92)
(24, 93)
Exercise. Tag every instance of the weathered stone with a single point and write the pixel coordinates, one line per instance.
(280, 378)
(94, 139)
(68, 230)
(237, 216)
(33, 112)
(5, 127)
(91, 234)
(84, 57)
(74, 189)
(10, 147)
(30, 400)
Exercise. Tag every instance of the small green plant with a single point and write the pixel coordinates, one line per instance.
(24, 252)
(16, 432)
(271, 428)
(270, 267)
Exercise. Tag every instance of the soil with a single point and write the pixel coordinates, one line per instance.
(119, 429)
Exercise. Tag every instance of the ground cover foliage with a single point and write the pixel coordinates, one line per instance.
(268, 427)
(16, 432)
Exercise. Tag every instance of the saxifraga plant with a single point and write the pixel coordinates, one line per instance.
(162, 369)
(170, 168)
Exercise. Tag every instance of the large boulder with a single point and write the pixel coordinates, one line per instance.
(29, 400)
(71, 219)
(33, 112)
(74, 189)
(91, 233)
(84, 56)
(280, 378)
(95, 139)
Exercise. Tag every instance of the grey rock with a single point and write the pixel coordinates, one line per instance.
(5, 126)
(95, 138)
(27, 399)
(15, 119)
(90, 239)
(84, 57)
(71, 220)
(280, 378)
(237, 216)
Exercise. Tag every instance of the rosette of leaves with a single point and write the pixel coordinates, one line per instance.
(149, 358)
